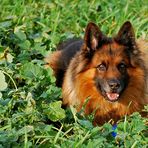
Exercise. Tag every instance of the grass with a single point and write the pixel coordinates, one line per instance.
(30, 108)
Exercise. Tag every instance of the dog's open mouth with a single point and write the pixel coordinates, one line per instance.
(112, 96)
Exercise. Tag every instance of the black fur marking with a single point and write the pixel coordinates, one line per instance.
(110, 51)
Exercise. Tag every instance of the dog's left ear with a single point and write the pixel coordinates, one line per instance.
(126, 35)
(93, 37)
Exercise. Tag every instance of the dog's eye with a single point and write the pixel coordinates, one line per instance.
(122, 67)
(101, 67)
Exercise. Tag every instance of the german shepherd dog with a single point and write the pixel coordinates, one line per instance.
(110, 73)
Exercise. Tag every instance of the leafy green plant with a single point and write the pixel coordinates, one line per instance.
(31, 113)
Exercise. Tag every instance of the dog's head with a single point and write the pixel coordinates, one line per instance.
(112, 59)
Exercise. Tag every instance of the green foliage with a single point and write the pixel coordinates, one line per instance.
(30, 107)
(54, 111)
(3, 85)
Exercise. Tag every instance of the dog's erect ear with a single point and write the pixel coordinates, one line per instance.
(93, 36)
(126, 35)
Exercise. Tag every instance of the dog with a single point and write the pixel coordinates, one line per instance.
(109, 72)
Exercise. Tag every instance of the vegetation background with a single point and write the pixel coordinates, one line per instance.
(30, 105)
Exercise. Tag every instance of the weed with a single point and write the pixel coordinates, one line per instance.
(30, 105)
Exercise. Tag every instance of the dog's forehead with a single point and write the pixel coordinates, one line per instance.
(112, 52)
(112, 48)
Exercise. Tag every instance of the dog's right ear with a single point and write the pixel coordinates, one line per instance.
(93, 37)
(126, 35)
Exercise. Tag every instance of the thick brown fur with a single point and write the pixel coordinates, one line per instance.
(82, 66)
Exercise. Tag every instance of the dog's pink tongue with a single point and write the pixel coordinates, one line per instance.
(112, 96)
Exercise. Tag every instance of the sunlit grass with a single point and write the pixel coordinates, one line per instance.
(30, 110)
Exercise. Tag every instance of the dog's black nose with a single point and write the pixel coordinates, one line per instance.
(114, 84)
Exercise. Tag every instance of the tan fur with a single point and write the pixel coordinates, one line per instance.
(52, 61)
(143, 46)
